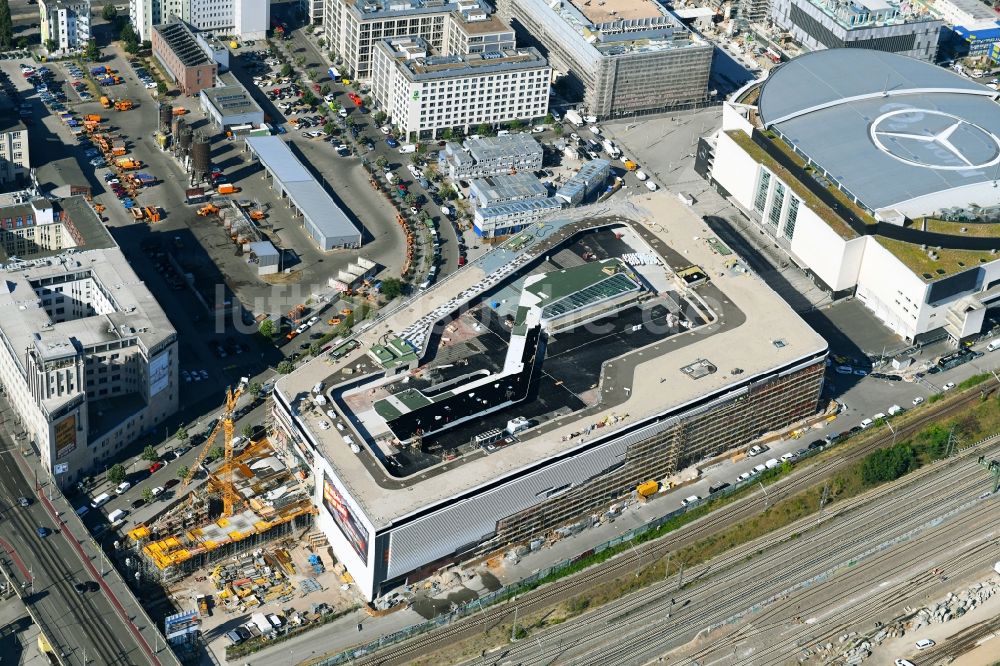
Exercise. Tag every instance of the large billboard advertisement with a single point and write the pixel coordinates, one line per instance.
(159, 373)
(348, 523)
(65, 436)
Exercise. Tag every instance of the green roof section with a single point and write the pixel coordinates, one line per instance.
(397, 352)
(560, 284)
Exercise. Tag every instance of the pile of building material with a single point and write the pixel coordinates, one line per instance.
(250, 580)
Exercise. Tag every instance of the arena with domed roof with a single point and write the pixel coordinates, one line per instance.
(878, 174)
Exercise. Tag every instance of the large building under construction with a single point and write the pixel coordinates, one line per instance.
(539, 385)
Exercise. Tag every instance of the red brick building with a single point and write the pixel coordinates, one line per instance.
(174, 45)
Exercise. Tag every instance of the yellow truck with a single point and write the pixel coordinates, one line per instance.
(105, 102)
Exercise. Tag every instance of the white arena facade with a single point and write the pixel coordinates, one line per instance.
(878, 175)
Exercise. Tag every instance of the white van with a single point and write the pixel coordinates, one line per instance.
(407, 148)
(993, 346)
(123, 487)
(895, 409)
(651, 186)
(100, 501)
(689, 500)
(772, 463)
(116, 515)
(867, 422)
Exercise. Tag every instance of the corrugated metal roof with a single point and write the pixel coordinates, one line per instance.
(308, 196)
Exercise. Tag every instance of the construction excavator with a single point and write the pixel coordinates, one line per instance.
(230, 498)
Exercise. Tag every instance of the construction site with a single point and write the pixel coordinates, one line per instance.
(253, 497)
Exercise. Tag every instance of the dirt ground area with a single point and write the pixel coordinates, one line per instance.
(307, 588)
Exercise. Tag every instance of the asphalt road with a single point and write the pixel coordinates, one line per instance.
(802, 586)
(77, 624)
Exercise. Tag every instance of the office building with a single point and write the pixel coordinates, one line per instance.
(244, 19)
(881, 186)
(536, 440)
(492, 155)
(89, 360)
(424, 93)
(183, 58)
(500, 220)
(906, 28)
(619, 59)
(474, 30)
(15, 163)
(353, 27)
(64, 23)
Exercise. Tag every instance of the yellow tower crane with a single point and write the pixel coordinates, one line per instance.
(229, 495)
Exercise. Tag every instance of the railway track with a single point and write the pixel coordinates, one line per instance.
(714, 599)
(105, 646)
(642, 554)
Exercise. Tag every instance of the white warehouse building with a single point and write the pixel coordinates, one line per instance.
(883, 186)
(422, 93)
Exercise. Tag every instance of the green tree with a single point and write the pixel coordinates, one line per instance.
(321, 42)
(286, 70)
(329, 128)
(147, 493)
(315, 349)
(22, 42)
(448, 192)
(247, 431)
(549, 119)
(416, 158)
(285, 367)
(410, 199)
(216, 452)
(109, 13)
(130, 41)
(325, 89)
(183, 471)
(146, 45)
(182, 434)
(266, 328)
(557, 130)
(392, 288)
(6, 26)
(309, 98)
(91, 53)
(149, 453)
(50, 45)
(515, 125)
(313, 74)
(255, 389)
(116, 474)
(484, 129)
(887, 464)
(382, 162)
(161, 88)
(379, 117)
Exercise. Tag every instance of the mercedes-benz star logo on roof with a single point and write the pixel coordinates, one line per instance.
(934, 140)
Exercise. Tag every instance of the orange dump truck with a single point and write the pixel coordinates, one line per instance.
(92, 117)
(129, 163)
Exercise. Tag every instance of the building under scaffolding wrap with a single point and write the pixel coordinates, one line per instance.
(276, 501)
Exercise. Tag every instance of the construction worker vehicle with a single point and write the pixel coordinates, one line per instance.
(105, 102)
(128, 164)
(92, 117)
(123, 104)
(208, 209)
(630, 165)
